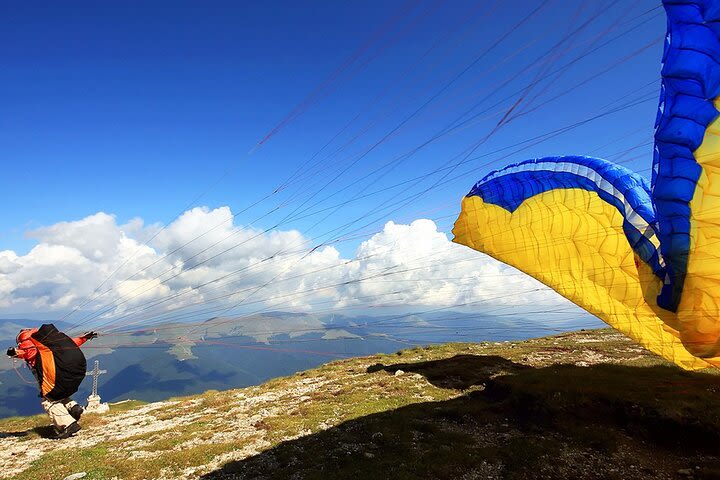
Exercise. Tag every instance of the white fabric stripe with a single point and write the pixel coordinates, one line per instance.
(634, 218)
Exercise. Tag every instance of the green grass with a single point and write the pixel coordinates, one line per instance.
(119, 407)
(23, 425)
(54, 465)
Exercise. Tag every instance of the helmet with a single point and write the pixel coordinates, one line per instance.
(25, 334)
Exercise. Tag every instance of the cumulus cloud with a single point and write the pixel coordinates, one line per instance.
(203, 264)
(418, 265)
(95, 238)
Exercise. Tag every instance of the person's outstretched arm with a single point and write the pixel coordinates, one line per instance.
(84, 338)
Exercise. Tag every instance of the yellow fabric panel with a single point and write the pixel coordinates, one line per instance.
(572, 241)
(699, 310)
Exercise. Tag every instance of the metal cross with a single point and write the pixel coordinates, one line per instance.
(95, 373)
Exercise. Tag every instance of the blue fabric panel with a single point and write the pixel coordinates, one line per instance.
(693, 108)
(681, 131)
(691, 64)
(700, 38)
(675, 189)
(511, 191)
(688, 86)
(674, 209)
(684, 9)
(681, 166)
(712, 11)
(669, 151)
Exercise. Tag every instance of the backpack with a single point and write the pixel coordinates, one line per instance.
(60, 364)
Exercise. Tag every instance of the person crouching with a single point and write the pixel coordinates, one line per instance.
(59, 367)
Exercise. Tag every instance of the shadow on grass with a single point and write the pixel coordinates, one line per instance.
(24, 433)
(32, 428)
(604, 421)
(459, 372)
(45, 431)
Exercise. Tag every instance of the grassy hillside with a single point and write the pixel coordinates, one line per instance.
(580, 405)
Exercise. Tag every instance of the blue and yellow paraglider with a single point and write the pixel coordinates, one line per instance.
(643, 257)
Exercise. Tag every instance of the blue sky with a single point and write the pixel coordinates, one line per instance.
(137, 108)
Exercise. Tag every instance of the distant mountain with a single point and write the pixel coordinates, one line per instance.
(160, 361)
(9, 327)
(262, 328)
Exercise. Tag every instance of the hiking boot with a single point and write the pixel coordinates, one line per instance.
(76, 411)
(68, 431)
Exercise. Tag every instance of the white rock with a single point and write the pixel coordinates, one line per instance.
(75, 476)
(99, 408)
(398, 373)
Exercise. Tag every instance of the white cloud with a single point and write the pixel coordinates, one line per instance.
(425, 268)
(95, 237)
(8, 263)
(202, 264)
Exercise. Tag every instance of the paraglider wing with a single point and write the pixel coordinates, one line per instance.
(644, 259)
(686, 172)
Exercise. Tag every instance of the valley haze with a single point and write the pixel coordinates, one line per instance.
(172, 359)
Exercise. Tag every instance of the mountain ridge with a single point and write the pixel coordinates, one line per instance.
(239, 352)
(587, 404)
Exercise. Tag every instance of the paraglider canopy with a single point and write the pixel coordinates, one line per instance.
(641, 256)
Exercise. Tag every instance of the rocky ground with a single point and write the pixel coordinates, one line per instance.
(587, 404)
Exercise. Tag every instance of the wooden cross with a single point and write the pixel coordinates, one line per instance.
(95, 373)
